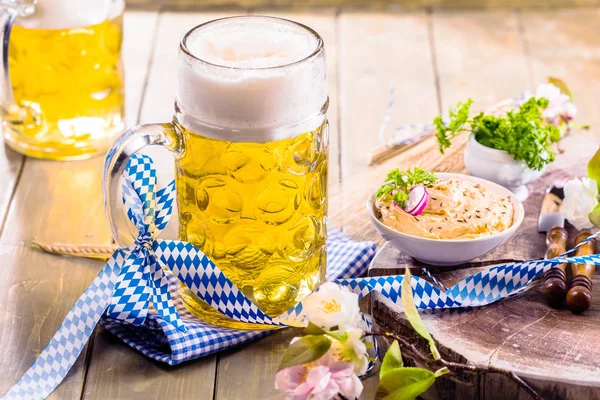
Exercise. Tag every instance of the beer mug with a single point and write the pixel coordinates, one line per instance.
(62, 83)
(250, 142)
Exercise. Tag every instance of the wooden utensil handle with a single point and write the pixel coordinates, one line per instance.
(579, 297)
(554, 288)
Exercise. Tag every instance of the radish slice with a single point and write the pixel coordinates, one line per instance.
(417, 200)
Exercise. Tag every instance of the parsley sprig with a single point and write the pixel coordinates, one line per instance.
(398, 183)
(523, 133)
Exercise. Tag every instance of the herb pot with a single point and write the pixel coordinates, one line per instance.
(500, 167)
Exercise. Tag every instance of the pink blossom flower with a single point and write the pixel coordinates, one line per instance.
(320, 380)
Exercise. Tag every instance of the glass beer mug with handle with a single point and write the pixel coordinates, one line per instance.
(62, 79)
(250, 142)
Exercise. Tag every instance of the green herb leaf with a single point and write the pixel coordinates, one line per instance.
(404, 383)
(459, 117)
(559, 83)
(306, 349)
(398, 183)
(391, 360)
(410, 310)
(593, 168)
(524, 134)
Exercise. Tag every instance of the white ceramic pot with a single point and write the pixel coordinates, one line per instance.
(446, 252)
(500, 167)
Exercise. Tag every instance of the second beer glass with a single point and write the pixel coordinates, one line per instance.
(250, 138)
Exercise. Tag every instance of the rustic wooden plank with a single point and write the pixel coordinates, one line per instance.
(363, 4)
(117, 371)
(479, 56)
(11, 164)
(52, 204)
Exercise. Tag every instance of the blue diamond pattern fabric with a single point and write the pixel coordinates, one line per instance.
(137, 293)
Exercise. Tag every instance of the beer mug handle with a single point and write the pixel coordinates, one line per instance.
(9, 11)
(124, 147)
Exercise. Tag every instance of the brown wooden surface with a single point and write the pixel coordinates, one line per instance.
(554, 350)
(358, 4)
(435, 59)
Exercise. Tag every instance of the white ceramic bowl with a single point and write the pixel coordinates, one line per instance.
(449, 252)
(500, 167)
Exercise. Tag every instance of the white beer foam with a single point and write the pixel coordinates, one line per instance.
(250, 85)
(65, 14)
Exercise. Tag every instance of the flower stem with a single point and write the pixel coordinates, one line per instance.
(409, 348)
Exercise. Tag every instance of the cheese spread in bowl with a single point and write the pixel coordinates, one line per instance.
(457, 209)
(465, 218)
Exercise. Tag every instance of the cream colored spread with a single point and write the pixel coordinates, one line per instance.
(456, 210)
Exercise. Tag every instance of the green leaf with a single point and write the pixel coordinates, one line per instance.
(410, 310)
(399, 183)
(595, 216)
(441, 372)
(404, 383)
(306, 349)
(559, 83)
(313, 329)
(340, 336)
(391, 360)
(522, 133)
(593, 168)
(459, 118)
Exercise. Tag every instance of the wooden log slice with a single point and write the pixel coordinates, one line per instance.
(555, 351)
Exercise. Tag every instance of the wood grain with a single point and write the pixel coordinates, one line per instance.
(11, 164)
(38, 289)
(52, 203)
(552, 349)
(363, 4)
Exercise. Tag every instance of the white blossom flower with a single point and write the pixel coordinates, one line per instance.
(560, 103)
(581, 196)
(332, 306)
(353, 350)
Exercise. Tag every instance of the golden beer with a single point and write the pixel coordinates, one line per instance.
(258, 211)
(250, 141)
(68, 90)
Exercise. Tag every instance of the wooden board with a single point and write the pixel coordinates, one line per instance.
(554, 350)
(363, 4)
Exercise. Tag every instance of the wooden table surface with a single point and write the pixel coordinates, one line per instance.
(434, 59)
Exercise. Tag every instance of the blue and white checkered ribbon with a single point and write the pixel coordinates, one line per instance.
(142, 305)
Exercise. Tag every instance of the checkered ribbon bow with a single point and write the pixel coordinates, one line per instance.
(141, 304)
(139, 299)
